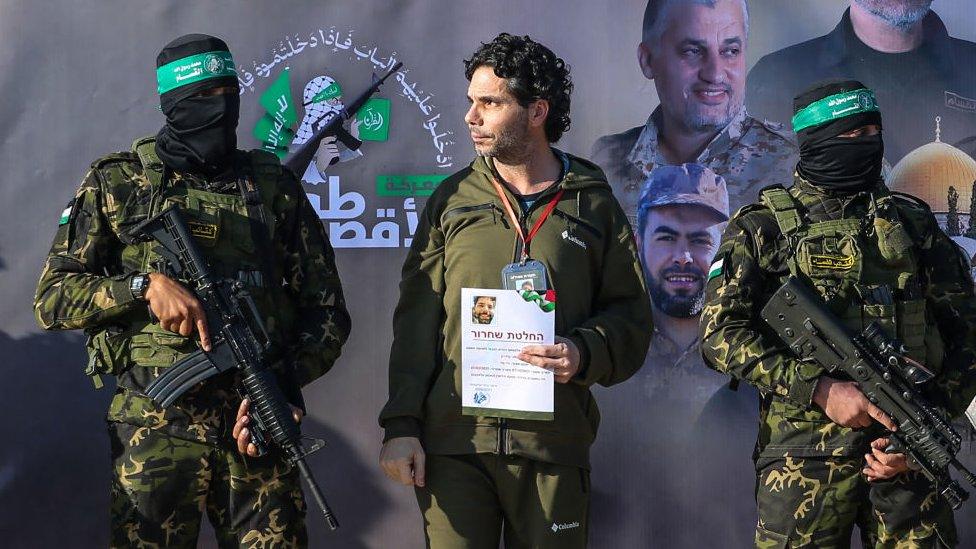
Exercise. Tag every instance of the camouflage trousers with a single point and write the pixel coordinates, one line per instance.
(162, 485)
(816, 502)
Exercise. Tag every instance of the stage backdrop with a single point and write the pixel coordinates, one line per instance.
(77, 81)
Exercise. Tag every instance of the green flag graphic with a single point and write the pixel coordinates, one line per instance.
(273, 135)
(374, 120)
(274, 128)
(276, 100)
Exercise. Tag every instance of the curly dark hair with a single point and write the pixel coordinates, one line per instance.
(533, 72)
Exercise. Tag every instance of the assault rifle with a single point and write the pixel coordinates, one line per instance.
(887, 377)
(240, 341)
(298, 160)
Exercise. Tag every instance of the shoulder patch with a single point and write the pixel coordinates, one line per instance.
(717, 268)
(66, 213)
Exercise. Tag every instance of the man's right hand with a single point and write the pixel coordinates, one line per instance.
(177, 309)
(327, 152)
(403, 460)
(846, 405)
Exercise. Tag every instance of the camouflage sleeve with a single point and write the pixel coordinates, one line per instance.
(80, 286)
(311, 274)
(953, 306)
(735, 341)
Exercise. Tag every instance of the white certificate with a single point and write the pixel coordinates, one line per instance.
(496, 325)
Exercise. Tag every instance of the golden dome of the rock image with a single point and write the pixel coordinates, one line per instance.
(929, 171)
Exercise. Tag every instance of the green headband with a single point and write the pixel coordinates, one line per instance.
(332, 91)
(834, 107)
(194, 68)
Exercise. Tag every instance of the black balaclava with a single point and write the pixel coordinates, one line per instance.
(839, 163)
(200, 134)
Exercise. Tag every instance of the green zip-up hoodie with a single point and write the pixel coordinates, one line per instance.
(464, 240)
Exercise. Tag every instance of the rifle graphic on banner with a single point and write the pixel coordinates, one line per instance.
(299, 159)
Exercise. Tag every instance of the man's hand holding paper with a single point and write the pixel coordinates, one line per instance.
(510, 356)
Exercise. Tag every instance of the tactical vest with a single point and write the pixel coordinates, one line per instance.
(234, 232)
(866, 269)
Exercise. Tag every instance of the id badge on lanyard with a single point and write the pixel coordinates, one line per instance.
(527, 274)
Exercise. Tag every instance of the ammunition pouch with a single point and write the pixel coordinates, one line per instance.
(108, 354)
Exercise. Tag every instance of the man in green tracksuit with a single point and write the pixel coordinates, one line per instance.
(478, 477)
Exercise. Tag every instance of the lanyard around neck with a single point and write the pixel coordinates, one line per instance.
(525, 238)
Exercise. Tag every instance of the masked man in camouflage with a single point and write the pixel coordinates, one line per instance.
(254, 224)
(872, 255)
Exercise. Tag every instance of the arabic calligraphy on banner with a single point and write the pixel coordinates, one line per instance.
(342, 210)
(332, 39)
(347, 207)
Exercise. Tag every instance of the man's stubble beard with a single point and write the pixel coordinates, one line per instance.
(694, 119)
(509, 145)
(899, 15)
(677, 306)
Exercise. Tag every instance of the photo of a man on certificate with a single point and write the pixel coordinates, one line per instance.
(495, 381)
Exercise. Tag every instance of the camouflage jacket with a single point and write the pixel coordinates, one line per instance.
(86, 276)
(748, 153)
(735, 341)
